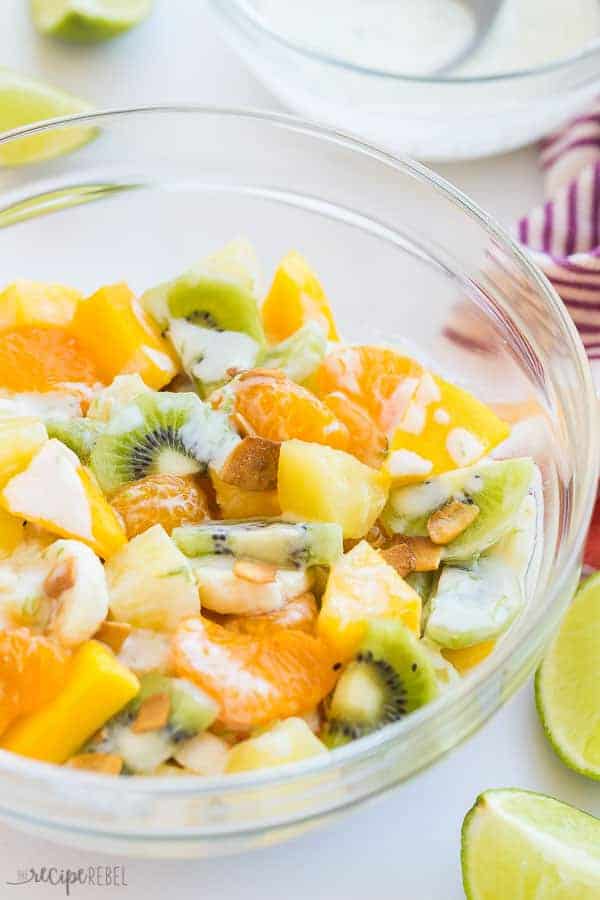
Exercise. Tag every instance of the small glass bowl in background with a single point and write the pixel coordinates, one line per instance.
(405, 259)
(435, 118)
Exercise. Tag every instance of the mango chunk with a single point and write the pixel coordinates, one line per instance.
(465, 658)
(295, 298)
(318, 483)
(35, 303)
(443, 427)
(97, 687)
(363, 586)
(121, 339)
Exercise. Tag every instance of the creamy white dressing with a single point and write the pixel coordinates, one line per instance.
(405, 462)
(50, 405)
(417, 36)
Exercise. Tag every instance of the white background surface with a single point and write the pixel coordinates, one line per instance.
(406, 844)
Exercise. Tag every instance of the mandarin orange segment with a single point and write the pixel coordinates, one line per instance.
(376, 378)
(36, 303)
(167, 500)
(33, 669)
(121, 339)
(300, 613)
(42, 358)
(277, 408)
(254, 678)
(296, 297)
(368, 443)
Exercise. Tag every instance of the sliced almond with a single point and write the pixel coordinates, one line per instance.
(153, 714)
(60, 578)
(450, 520)
(114, 634)
(105, 763)
(256, 572)
(413, 554)
(401, 557)
(252, 465)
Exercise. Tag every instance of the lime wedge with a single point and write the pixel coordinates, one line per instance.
(87, 21)
(567, 684)
(24, 101)
(516, 844)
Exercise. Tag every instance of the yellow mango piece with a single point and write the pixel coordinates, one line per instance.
(97, 687)
(295, 297)
(60, 495)
(36, 303)
(362, 586)
(466, 658)
(11, 533)
(444, 427)
(321, 484)
(20, 439)
(121, 339)
(285, 742)
(107, 528)
(235, 503)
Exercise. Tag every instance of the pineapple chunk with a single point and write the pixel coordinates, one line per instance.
(295, 298)
(35, 303)
(121, 339)
(20, 440)
(97, 687)
(317, 483)
(285, 742)
(361, 586)
(59, 494)
(150, 583)
(235, 503)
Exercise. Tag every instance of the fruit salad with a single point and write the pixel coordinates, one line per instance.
(231, 540)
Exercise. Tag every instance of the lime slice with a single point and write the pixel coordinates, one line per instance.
(567, 684)
(87, 21)
(24, 101)
(525, 845)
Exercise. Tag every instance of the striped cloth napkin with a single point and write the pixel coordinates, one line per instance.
(563, 234)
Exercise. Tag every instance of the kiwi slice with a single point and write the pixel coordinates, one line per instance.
(161, 433)
(473, 605)
(79, 434)
(191, 712)
(390, 676)
(207, 355)
(280, 543)
(498, 488)
(300, 354)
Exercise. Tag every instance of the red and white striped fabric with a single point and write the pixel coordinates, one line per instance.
(563, 234)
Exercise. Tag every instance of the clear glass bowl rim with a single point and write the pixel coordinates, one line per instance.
(448, 703)
(244, 9)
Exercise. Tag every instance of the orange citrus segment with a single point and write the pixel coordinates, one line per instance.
(376, 378)
(42, 358)
(299, 613)
(465, 658)
(277, 408)
(33, 670)
(368, 443)
(254, 678)
(35, 303)
(362, 586)
(121, 339)
(295, 297)
(446, 427)
(167, 500)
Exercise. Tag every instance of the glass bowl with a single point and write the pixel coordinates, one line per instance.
(435, 118)
(405, 258)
